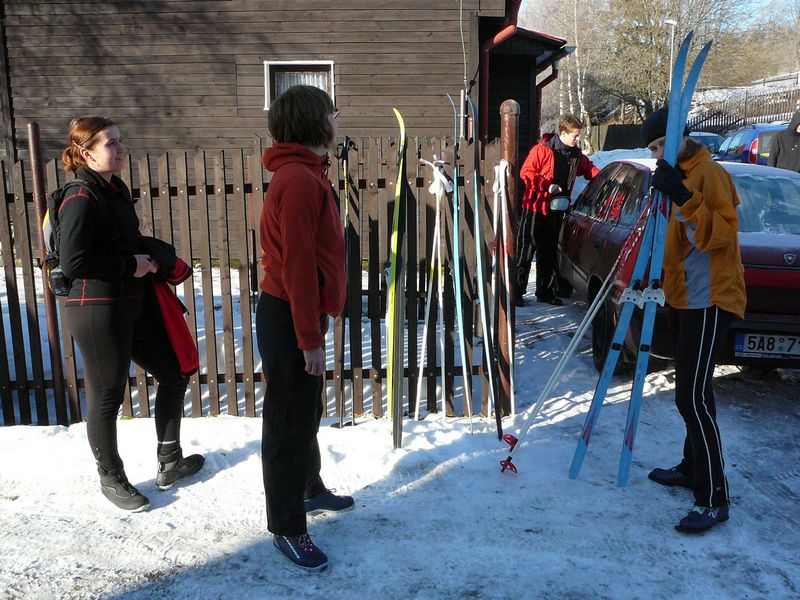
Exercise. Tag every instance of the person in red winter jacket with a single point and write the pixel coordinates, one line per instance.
(302, 252)
(549, 171)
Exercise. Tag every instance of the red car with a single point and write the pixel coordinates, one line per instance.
(605, 213)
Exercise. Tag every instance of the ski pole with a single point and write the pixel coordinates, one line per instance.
(439, 187)
(509, 333)
(545, 393)
(343, 156)
(594, 308)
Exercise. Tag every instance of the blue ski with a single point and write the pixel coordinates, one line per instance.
(630, 299)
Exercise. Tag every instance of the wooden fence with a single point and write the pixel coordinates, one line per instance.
(208, 206)
(749, 108)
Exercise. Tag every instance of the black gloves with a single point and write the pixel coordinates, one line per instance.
(669, 180)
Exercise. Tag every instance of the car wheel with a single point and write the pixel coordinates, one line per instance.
(602, 333)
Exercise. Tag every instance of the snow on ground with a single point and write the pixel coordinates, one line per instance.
(434, 520)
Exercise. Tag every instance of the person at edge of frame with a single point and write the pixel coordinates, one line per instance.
(549, 171)
(784, 152)
(303, 257)
(705, 290)
(112, 311)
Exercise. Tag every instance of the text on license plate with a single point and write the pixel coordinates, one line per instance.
(759, 344)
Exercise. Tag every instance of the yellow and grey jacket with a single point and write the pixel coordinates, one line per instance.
(702, 262)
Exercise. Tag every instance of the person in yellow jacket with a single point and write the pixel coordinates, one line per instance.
(704, 286)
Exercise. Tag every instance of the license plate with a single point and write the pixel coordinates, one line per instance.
(757, 345)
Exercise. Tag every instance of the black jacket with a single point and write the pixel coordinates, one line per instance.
(785, 150)
(566, 163)
(99, 237)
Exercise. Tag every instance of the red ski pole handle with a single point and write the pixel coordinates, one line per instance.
(507, 464)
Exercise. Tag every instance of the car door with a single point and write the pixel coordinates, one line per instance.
(590, 235)
(635, 196)
(575, 229)
(765, 140)
(729, 149)
(723, 147)
(738, 149)
(616, 216)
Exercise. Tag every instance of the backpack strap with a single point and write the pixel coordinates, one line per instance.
(88, 186)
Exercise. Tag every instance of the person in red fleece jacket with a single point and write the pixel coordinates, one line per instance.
(549, 171)
(302, 253)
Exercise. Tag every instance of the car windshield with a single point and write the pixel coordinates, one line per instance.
(769, 204)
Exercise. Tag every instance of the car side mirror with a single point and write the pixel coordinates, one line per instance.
(560, 203)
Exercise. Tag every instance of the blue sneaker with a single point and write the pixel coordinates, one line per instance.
(327, 501)
(702, 518)
(301, 551)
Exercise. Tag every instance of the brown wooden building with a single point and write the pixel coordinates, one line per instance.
(199, 74)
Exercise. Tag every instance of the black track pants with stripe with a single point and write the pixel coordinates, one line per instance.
(525, 250)
(545, 235)
(699, 334)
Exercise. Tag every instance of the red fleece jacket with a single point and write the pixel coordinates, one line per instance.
(302, 243)
(537, 173)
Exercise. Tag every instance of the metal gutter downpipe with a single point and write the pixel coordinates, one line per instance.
(539, 87)
(497, 39)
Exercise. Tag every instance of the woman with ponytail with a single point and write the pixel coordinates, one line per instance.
(111, 309)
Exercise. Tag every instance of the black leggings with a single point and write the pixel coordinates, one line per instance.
(109, 337)
(292, 410)
(700, 332)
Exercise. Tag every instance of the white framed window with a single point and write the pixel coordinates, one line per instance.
(279, 75)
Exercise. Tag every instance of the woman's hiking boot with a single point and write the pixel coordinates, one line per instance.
(175, 466)
(115, 486)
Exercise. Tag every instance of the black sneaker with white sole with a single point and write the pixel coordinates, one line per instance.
(327, 501)
(670, 477)
(301, 551)
(175, 466)
(115, 486)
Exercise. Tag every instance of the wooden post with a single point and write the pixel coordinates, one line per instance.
(509, 138)
(50, 311)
